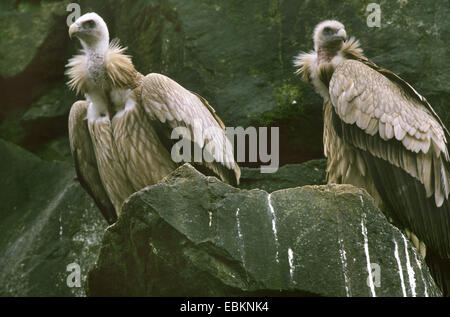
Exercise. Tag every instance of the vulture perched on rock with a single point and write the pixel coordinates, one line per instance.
(382, 135)
(121, 135)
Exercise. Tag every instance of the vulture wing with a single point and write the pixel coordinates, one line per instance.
(169, 105)
(403, 145)
(85, 161)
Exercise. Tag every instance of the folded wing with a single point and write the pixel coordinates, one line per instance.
(85, 161)
(402, 144)
(169, 106)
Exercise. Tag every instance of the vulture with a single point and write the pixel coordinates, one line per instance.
(121, 135)
(380, 134)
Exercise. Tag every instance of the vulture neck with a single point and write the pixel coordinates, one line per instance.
(318, 66)
(327, 51)
(329, 56)
(99, 94)
(96, 54)
(105, 75)
(98, 47)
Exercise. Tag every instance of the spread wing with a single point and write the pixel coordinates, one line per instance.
(85, 161)
(403, 145)
(169, 105)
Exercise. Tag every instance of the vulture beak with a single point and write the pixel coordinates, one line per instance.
(341, 34)
(73, 30)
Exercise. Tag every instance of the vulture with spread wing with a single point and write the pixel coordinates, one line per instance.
(382, 135)
(121, 135)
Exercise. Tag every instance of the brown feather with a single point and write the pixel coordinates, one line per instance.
(119, 69)
(85, 160)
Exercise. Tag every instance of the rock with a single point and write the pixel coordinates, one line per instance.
(287, 176)
(34, 47)
(57, 149)
(25, 32)
(50, 111)
(192, 235)
(48, 222)
(55, 104)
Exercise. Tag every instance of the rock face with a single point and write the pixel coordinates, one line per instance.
(20, 49)
(33, 50)
(312, 240)
(287, 176)
(47, 222)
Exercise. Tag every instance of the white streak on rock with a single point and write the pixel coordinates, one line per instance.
(343, 256)
(238, 224)
(291, 263)
(425, 288)
(241, 240)
(400, 268)
(410, 270)
(60, 226)
(366, 250)
(274, 225)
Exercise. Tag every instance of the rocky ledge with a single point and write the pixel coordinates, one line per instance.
(192, 235)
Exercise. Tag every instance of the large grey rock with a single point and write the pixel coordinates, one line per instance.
(47, 222)
(192, 235)
(287, 176)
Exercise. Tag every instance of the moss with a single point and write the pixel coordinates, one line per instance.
(290, 106)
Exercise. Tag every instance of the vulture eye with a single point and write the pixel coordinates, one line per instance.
(89, 24)
(327, 31)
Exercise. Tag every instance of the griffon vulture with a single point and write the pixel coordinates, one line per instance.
(382, 135)
(120, 136)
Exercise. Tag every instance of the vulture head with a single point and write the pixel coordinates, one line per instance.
(91, 30)
(328, 35)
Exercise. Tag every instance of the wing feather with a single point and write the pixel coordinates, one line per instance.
(169, 106)
(380, 106)
(405, 147)
(85, 161)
